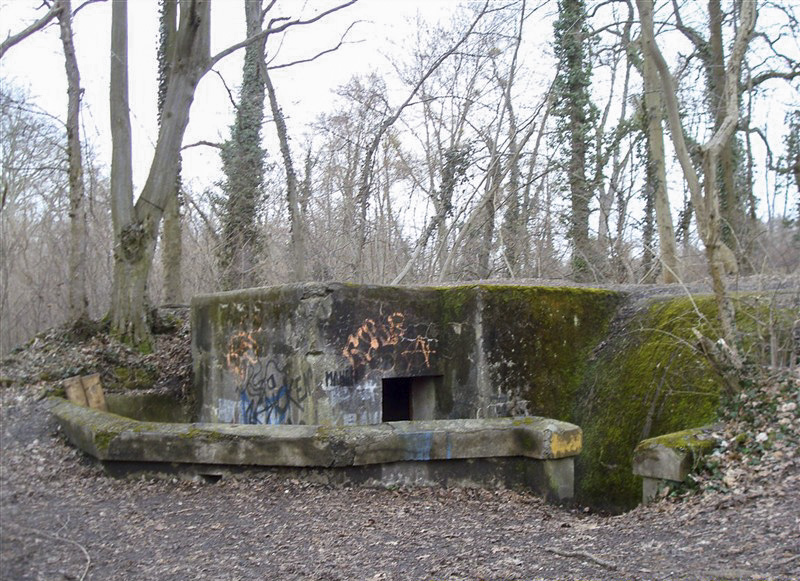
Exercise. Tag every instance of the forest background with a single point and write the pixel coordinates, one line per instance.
(421, 142)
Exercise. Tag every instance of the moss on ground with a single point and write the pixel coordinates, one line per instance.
(133, 378)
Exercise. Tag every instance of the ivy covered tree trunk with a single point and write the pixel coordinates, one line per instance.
(243, 166)
(574, 110)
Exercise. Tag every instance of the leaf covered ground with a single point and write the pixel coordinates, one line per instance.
(61, 517)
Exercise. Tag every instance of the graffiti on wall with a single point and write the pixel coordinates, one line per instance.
(268, 393)
(389, 344)
(343, 378)
(355, 404)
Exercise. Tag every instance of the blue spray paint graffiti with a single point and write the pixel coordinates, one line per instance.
(267, 393)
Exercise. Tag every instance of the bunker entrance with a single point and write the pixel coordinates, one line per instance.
(409, 398)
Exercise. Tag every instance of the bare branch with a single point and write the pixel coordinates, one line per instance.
(203, 216)
(227, 89)
(202, 143)
(269, 30)
(267, 9)
(36, 26)
(390, 120)
(84, 5)
(318, 55)
(770, 75)
(698, 41)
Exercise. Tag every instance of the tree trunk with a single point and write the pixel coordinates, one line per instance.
(172, 247)
(298, 245)
(574, 79)
(172, 234)
(129, 298)
(243, 165)
(707, 203)
(76, 287)
(657, 173)
(136, 226)
(715, 63)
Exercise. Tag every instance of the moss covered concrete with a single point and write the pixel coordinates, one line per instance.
(548, 443)
(646, 380)
(672, 456)
(538, 340)
(622, 371)
(149, 406)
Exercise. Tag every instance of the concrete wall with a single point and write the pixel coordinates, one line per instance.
(334, 354)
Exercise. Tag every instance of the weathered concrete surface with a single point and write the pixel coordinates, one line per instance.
(149, 407)
(322, 353)
(670, 457)
(550, 443)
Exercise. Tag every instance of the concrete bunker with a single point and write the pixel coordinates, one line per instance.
(336, 354)
(381, 385)
(327, 357)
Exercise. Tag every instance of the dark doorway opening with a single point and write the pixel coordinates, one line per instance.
(409, 398)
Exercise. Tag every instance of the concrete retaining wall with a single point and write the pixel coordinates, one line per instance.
(540, 450)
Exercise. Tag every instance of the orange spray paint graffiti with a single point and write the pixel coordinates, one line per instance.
(376, 344)
(242, 352)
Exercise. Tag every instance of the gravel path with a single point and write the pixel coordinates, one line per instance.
(62, 518)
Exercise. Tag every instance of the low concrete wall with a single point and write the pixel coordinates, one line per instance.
(670, 457)
(411, 452)
(149, 407)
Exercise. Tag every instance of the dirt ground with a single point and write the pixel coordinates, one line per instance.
(62, 518)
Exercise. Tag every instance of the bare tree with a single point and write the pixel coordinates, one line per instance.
(136, 224)
(706, 198)
(298, 246)
(76, 284)
(172, 234)
(657, 173)
(366, 172)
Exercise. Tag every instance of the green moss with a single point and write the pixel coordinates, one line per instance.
(538, 340)
(207, 435)
(647, 381)
(103, 438)
(456, 303)
(691, 440)
(128, 378)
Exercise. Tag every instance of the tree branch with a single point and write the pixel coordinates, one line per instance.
(769, 75)
(318, 55)
(84, 5)
(227, 89)
(269, 30)
(203, 143)
(698, 41)
(36, 26)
